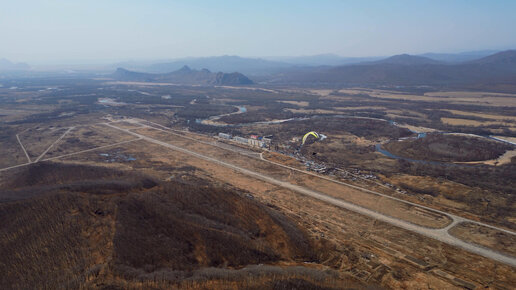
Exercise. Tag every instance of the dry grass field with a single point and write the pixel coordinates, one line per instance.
(483, 115)
(297, 103)
(473, 98)
(85, 138)
(475, 123)
(37, 140)
(11, 153)
(486, 237)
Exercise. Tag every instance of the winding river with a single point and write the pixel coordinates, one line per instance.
(212, 121)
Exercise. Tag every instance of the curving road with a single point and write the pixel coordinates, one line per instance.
(438, 234)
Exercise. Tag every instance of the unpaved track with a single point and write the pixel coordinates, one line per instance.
(438, 234)
(92, 149)
(55, 142)
(23, 147)
(70, 154)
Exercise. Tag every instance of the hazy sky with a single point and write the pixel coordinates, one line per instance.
(92, 30)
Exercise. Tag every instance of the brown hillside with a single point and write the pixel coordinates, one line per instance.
(78, 226)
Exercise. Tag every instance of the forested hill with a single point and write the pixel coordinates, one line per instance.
(185, 75)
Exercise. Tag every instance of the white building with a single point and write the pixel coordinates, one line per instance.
(225, 136)
(254, 142)
(240, 139)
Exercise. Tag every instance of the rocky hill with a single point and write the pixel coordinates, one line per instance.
(185, 75)
(6, 65)
(225, 63)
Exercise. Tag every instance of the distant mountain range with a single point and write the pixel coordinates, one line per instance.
(336, 60)
(322, 60)
(185, 75)
(6, 65)
(405, 59)
(409, 70)
(274, 65)
(467, 69)
(225, 63)
(459, 57)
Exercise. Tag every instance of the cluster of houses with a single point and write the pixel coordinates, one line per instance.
(253, 140)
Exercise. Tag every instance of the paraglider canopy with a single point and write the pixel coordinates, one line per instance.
(311, 133)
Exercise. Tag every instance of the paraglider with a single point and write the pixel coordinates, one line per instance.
(311, 133)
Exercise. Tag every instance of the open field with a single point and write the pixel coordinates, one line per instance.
(86, 137)
(11, 153)
(483, 115)
(308, 111)
(473, 98)
(37, 140)
(297, 103)
(475, 123)
(370, 219)
(486, 237)
(469, 94)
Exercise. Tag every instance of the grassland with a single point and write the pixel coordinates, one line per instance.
(453, 97)
(486, 237)
(473, 123)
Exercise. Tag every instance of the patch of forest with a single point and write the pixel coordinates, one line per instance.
(448, 148)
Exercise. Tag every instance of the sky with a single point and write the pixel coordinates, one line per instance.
(65, 31)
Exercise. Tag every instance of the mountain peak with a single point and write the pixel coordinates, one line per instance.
(185, 75)
(185, 68)
(8, 65)
(507, 57)
(407, 59)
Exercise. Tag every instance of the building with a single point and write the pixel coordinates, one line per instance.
(240, 140)
(255, 143)
(225, 136)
